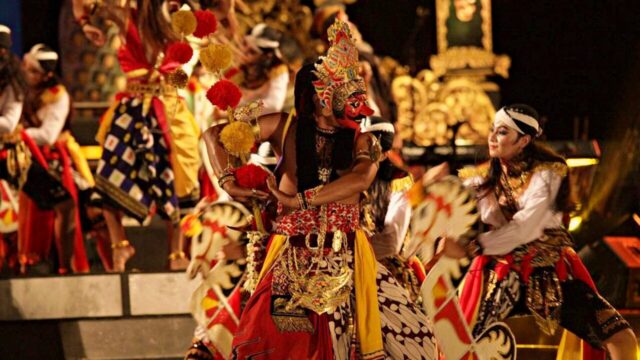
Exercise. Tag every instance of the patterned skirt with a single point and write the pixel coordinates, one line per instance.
(546, 279)
(134, 171)
(275, 323)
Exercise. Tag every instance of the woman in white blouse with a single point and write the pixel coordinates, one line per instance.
(45, 116)
(12, 84)
(525, 263)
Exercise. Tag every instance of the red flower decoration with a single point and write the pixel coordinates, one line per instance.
(207, 23)
(224, 94)
(180, 52)
(252, 176)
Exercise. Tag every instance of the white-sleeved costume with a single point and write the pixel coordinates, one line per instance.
(388, 242)
(10, 110)
(536, 213)
(527, 264)
(53, 115)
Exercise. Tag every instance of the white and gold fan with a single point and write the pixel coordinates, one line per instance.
(441, 209)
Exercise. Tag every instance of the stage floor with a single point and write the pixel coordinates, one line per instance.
(139, 315)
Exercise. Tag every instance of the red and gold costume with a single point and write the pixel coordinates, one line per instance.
(320, 292)
(45, 190)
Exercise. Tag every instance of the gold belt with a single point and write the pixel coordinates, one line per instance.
(151, 89)
(11, 138)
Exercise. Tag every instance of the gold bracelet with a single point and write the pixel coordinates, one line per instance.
(225, 179)
(121, 244)
(301, 202)
(310, 195)
(177, 255)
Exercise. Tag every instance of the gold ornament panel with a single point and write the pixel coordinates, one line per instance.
(429, 109)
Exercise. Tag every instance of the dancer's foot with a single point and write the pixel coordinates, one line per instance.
(122, 251)
(178, 261)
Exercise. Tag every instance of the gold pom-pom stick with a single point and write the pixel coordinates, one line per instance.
(184, 22)
(178, 78)
(237, 138)
(216, 57)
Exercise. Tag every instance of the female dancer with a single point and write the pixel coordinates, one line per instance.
(46, 114)
(150, 151)
(527, 265)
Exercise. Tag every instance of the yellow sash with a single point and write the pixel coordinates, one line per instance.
(368, 324)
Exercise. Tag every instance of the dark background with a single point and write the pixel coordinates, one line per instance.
(570, 58)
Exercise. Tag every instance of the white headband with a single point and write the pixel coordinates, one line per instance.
(255, 38)
(506, 118)
(35, 55)
(367, 126)
(5, 29)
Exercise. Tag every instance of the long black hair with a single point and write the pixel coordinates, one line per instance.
(534, 153)
(380, 189)
(11, 75)
(306, 154)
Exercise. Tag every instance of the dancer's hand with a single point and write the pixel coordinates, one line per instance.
(244, 195)
(449, 247)
(435, 173)
(94, 34)
(286, 200)
(233, 250)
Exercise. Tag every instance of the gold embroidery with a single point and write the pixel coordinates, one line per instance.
(560, 169)
(402, 184)
(481, 170)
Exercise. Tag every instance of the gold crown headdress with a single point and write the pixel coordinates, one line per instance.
(338, 72)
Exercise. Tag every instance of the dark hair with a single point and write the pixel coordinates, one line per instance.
(531, 155)
(257, 73)
(11, 75)
(154, 30)
(380, 189)
(306, 154)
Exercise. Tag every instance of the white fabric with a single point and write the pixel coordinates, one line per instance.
(10, 110)
(534, 215)
(366, 126)
(35, 55)
(504, 117)
(273, 94)
(396, 224)
(53, 117)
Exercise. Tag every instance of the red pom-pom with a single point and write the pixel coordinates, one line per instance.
(224, 94)
(252, 176)
(207, 23)
(180, 52)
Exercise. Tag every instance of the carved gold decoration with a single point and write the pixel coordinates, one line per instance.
(469, 60)
(428, 110)
(451, 99)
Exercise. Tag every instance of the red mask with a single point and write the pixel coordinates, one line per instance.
(355, 109)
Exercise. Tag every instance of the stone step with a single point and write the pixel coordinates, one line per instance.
(139, 315)
(165, 337)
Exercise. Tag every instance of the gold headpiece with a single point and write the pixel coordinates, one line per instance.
(338, 73)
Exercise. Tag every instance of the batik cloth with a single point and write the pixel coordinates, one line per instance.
(546, 279)
(134, 171)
